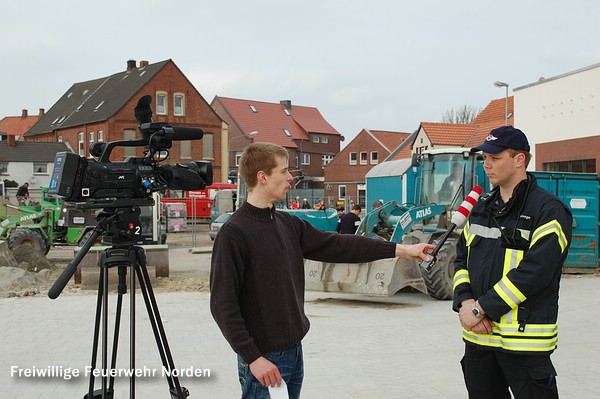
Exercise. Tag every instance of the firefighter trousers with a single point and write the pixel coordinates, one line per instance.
(489, 374)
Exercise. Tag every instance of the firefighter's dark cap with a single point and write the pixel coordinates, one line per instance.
(502, 138)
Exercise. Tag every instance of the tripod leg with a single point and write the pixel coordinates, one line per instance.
(176, 390)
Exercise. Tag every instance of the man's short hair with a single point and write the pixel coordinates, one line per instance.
(513, 153)
(356, 208)
(257, 157)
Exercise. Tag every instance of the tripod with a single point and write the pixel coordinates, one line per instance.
(119, 226)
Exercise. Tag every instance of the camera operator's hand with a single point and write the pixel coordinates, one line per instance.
(265, 372)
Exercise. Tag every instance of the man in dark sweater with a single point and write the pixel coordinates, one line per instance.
(257, 274)
(350, 221)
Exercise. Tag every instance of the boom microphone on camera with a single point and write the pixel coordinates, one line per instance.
(458, 219)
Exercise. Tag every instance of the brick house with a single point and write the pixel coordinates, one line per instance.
(345, 174)
(310, 140)
(17, 126)
(575, 155)
(102, 110)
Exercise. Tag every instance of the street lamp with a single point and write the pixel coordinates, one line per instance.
(502, 84)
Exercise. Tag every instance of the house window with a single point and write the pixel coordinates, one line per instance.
(161, 103)
(287, 132)
(352, 160)
(342, 192)
(305, 158)
(374, 158)
(324, 140)
(363, 158)
(129, 134)
(3, 167)
(80, 140)
(326, 159)
(59, 139)
(252, 108)
(40, 168)
(238, 157)
(316, 139)
(91, 137)
(179, 105)
(100, 135)
(207, 146)
(186, 149)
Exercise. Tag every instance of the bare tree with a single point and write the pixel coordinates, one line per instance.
(464, 114)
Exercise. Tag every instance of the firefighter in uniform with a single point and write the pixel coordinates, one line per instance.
(507, 275)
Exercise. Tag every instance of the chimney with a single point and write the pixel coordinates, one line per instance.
(24, 114)
(286, 103)
(143, 64)
(10, 139)
(131, 64)
(41, 112)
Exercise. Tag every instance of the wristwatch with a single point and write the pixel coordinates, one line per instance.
(476, 312)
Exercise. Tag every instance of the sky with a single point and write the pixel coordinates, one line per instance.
(379, 65)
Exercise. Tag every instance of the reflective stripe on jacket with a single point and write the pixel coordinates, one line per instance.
(510, 258)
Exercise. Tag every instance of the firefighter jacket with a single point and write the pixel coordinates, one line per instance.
(510, 258)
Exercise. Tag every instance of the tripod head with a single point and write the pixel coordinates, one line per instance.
(118, 223)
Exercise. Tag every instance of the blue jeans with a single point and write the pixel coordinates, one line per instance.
(291, 367)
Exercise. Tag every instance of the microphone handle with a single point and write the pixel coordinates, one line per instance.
(428, 264)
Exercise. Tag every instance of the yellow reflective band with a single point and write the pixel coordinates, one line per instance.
(460, 277)
(509, 293)
(535, 338)
(551, 227)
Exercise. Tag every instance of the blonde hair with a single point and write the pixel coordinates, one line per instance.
(513, 153)
(257, 157)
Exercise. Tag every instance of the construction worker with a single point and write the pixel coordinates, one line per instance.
(507, 273)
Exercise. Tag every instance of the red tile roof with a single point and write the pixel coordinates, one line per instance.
(473, 134)
(390, 140)
(17, 125)
(270, 120)
(447, 133)
(496, 111)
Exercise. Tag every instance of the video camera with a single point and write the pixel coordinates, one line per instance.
(94, 182)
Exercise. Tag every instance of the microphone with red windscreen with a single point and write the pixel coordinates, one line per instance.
(458, 219)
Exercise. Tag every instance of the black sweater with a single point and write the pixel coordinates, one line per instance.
(257, 275)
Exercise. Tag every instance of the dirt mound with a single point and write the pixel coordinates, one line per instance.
(30, 259)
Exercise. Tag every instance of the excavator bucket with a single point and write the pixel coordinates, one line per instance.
(6, 256)
(383, 277)
(380, 278)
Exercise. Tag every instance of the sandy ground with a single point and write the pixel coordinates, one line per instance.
(187, 271)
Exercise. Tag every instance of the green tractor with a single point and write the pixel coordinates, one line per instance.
(44, 224)
(50, 222)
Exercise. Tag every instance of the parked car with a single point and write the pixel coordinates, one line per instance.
(216, 225)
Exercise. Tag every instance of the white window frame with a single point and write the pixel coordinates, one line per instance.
(352, 161)
(40, 165)
(340, 189)
(364, 157)
(100, 135)
(324, 140)
(326, 159)
(316, 139)
(374, 158)
(80, 144)
(161, 109)
(179, 110)
(305, 158)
